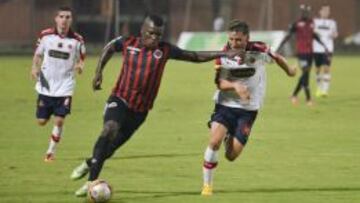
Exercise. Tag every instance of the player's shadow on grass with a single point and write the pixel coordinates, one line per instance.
(139, 194)
(150, 156)
(143, 156)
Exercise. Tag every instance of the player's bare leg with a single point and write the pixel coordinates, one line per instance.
(218, 132)
(233, 148)
(54, 138)
(42, 121)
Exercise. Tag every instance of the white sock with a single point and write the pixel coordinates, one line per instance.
(54, 139)
(319, 80)
(326, 82)
(210, 163)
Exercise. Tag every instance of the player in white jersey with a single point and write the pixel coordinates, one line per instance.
(326, 29)
(59, 53)
(241, 85)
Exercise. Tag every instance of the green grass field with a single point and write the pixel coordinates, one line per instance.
(295, 154)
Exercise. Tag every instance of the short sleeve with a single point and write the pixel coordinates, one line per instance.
(118, 43)
(82, 51)
(40, 46)
(334, 27)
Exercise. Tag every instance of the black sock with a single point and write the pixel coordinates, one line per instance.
(120, 139)
(298, 86)
(98, 157)
(306, 85)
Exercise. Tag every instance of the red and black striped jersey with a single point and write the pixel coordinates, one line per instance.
(142, 68)
(304, 34)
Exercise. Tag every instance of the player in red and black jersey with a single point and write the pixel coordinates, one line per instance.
(303, 29)
(144, 60)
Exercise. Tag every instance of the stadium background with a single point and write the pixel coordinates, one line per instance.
(21, 20)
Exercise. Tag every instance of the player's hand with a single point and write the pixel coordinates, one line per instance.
(97, 82)
(243, 92)
(292, 71)
(34, 73)
(79, 67)
(233, 53)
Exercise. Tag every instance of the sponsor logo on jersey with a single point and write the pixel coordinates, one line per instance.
(242, 72)
(323, 27)
(133, 50)
(59, 54)
(158, 54)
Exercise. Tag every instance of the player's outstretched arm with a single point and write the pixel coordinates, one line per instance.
(204, 56)
(288, 35)
(284, 40)
(283, 64)
(106, 55)
(35, 69)
(317, 38)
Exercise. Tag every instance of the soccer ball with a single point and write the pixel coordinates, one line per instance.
(99, 191)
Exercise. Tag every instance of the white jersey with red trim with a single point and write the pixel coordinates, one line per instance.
(60, 54)
(249, 71)
(325, 28)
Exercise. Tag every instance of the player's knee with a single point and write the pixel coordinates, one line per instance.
(42, 122)
(110, 128)
(59, 123)
(231, 157)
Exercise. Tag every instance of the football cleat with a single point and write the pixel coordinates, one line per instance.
(324, 94)
(49, 157)
(318, 92)
(83, 190)
(80, 171)
(294, 100)
(310, 103)
(207, 190)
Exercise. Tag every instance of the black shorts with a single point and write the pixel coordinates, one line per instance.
(129, 121)
(237, 121)
(305, 60)
(47, 106)
(322, 59)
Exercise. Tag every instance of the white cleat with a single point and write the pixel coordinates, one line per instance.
(80, 171)
(83, 190)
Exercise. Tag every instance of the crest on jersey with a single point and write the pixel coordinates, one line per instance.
(60, 45)
(158, 54)
(70, 46)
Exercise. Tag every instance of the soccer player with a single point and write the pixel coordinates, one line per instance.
(241, 85)
(59, 53)
(133, 96)
(327, 30)
(303, 29)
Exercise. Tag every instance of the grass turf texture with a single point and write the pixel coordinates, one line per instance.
(295, 154)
